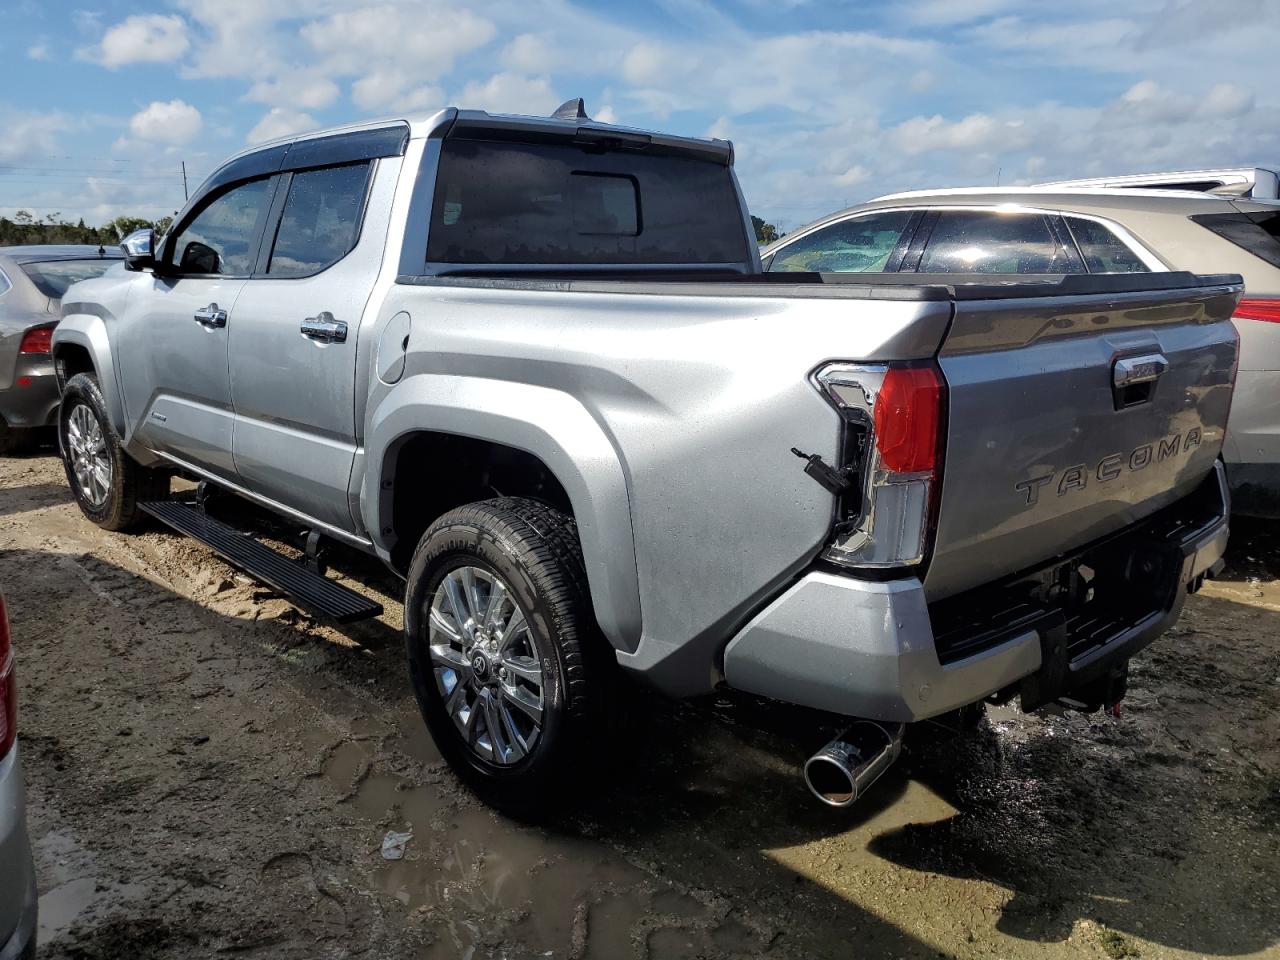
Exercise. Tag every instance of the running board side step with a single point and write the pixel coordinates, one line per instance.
(306, 588)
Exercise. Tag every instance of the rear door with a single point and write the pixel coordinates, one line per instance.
(994, 241)
(293, 347)
(1075, 414)
(171, 346)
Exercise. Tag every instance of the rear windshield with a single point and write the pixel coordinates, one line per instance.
(54, 276)
(1259, 233)
(550, 203)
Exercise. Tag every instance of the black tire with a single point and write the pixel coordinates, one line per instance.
(534, 549)
(130, 482)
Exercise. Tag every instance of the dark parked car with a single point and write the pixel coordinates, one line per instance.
(32, 281)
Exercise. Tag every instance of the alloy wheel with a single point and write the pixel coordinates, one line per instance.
(487, 666)
(90, 459)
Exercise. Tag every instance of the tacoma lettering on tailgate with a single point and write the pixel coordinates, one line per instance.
(1110, 467)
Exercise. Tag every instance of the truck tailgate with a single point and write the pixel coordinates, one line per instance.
(1076, 414)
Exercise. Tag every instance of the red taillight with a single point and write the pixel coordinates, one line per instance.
(8, 687)
(39, 340)
(1267, 311)
(908, 413)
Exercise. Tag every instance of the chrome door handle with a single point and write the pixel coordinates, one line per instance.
(211, 316)
(324, 329)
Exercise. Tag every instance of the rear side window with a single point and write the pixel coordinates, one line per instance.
(221, 238)
(513, 203)
(1102, 250)
(857, 245)
(977, 241)
(321, 219)
(4, 284)
(54, 276)
(1259, 233)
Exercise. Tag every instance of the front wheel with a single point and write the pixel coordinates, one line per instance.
(503, 649)
(108, 484)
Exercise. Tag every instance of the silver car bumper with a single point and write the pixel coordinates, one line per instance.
(868, 648)
(17, 874)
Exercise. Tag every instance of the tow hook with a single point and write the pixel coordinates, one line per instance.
(832, 480)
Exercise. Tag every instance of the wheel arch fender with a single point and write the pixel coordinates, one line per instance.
(84, 331)
(546, 423)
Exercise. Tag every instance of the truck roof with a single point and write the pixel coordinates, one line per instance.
(440, 122)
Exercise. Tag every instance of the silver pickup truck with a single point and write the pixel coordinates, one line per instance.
(533, 365)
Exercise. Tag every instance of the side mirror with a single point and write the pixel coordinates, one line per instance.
(139, 249)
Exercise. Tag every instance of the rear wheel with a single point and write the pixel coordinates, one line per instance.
(503, 649)
(107, 483)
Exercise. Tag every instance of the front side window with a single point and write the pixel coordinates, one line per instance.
(1102, 250)
(321, 220)
(53, 277)
(222, 237)
(857, 245)
(978, 241)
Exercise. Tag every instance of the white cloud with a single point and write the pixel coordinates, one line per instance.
(174, 122)
(422, 39)
(302, 89)
(388, 90)
(1228, 100)
(150, 38)
(39, 51)
(977, 132)
(606, 114)
(29, 136)
(511, 93)
(280, 122)
(530, 53)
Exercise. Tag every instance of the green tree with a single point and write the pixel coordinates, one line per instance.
(123, 226)
(765, 232)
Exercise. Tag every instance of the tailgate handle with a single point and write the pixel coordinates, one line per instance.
(1133, 379)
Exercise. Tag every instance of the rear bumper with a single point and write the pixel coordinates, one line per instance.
(877, 649)
(33, 403)
(17, 876)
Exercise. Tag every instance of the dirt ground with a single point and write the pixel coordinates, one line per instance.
(212, 774)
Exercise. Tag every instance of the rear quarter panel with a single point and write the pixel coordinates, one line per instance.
(674, 416)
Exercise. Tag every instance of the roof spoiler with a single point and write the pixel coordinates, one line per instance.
(570, 122)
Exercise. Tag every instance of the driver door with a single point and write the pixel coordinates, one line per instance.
(173, 345)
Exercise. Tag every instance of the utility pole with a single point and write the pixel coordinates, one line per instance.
(999, 170)
(185, 196)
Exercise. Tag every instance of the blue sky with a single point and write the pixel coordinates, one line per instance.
(828, 101)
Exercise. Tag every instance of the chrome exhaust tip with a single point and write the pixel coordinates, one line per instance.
(843, 771)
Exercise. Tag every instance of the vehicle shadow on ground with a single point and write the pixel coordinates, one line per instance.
(1254, 551)
(15, 500)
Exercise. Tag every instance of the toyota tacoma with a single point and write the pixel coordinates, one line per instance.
(534, 366)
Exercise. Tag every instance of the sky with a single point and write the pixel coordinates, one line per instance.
(828, 102)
